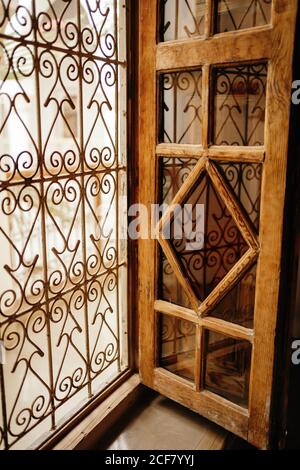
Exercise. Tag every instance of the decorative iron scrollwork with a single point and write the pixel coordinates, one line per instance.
(61, 164)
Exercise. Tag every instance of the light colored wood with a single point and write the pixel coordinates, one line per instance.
(274, 44)
(147, 183)
(232, 417)
(180, 150)
(233, 206)
(175, 310)
(238, 154)
(208, 28)
(94, 427)
(218, 153)
(223, 48)
(215, 324)
(198, 357)
(229, 329)
(228, 281)
(205, 106)
(272, 210)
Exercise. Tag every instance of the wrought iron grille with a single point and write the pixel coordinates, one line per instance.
(63, 178)
(239, 105)
(181, 19)
(181, 103)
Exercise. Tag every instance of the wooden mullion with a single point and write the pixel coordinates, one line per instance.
(271, 219)
(199, 357)
(232, 204)
(179, 272)
(205, 106)
(272, 44)
(227, 328)
(218, 153)
(209, 14)
(237, 154)
(176, 311)
(147, 190)
(212, 323)
(180, 150)
(226, 284)
(231, 47)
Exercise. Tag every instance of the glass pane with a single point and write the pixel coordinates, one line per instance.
(239, 105)
(206, 260)
(177, 346)
(174, 171)
(240, 14)
(181, 107)
(227, 367)
(238, 305)
(245, 181)
(182, 19)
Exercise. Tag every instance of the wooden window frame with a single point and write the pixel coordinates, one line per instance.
(274, 45)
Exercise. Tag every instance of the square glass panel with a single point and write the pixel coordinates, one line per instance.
(182, 19)
(239, 105)
(232, 15)
(177, 346)
(181, 107)
(227, 367)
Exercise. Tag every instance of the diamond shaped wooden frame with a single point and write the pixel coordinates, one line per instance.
(203, 307)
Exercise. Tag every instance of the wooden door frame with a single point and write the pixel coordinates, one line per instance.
(274, 44)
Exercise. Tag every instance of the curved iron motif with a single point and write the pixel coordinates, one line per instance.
(241, 14)
(181, 95)
(239, 105)
(60, 173)
(181, 19)
(245, 181)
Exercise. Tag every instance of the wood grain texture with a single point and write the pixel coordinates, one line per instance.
(273, 44)
(220, 49)
(213, 152)
(232, 417)
(209, 13)
(175, 310)
(272, 210)
(147, 183)
(215, 324)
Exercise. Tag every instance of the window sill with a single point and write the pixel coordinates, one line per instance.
(95, 425)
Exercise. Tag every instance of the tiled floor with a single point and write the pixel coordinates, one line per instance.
(160, 424)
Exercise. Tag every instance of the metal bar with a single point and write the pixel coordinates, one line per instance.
(43, 224)
(83, 225)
